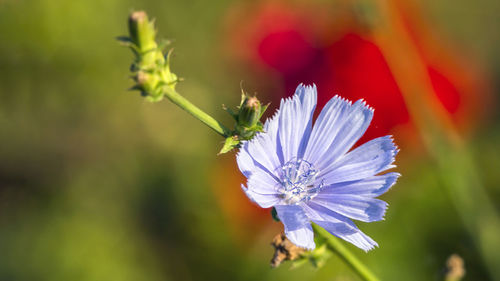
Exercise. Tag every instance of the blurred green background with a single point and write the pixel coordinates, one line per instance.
(97, 184)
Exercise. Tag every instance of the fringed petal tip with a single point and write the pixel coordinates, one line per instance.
(348, 232)
(370, 247)
(342, 99)
(391, 180)
(364, 242)
(365, 105)
(394, 151)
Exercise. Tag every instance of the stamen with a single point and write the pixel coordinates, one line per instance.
(298, 181)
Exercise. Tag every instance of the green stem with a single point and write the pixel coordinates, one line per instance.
(196, 112)
(336, 246)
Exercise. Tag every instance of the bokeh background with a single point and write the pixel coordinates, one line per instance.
(98, 184)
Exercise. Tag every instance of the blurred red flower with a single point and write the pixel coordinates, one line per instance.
(318, 44)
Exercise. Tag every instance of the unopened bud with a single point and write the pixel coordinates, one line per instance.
(150, 69)
(146, 83)
(142, 31)
(250, 112)
(141, 78)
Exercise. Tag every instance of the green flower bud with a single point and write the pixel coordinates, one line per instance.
(151, 67)
(247, 119)
(142, 31)
(250, 112)
(146, 82)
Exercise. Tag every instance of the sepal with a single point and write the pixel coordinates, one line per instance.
(229, 144)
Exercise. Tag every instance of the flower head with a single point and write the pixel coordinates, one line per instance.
(309, 173)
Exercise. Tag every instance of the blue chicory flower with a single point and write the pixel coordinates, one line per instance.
(308, 174)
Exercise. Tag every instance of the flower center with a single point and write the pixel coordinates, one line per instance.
(298, 178)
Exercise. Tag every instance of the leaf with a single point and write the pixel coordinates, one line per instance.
(230, 143)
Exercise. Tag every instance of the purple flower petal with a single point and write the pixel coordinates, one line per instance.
(353, 206)
(262, 188)
(262, 182)
(365, 161)
(263, 200)
(258, 148)
(245, 163)
(326, 127)
(350, 130)
(295, 121)
(297, 226)
(339, 226)
(351, 235)
(370, 187)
